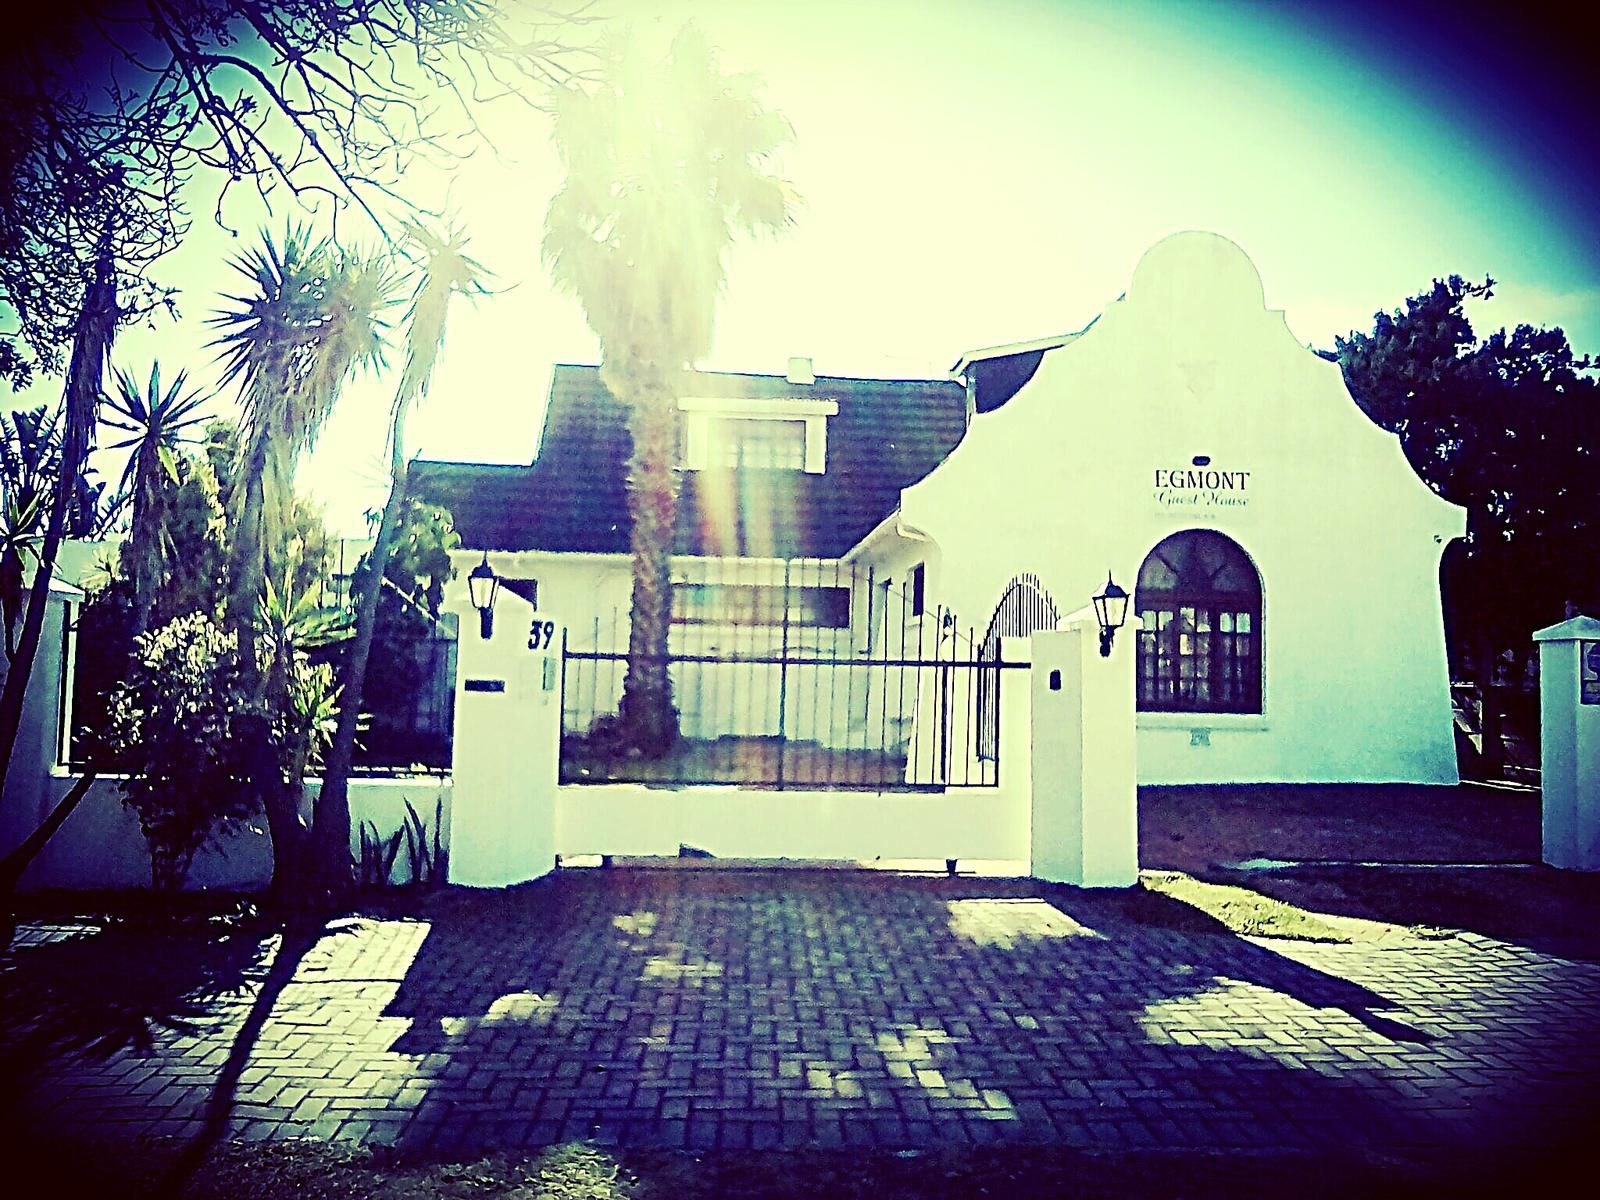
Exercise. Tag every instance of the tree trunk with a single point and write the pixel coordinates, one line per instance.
(649, 720)
(331, 827)
(280, 800)
(15, 863)
(256, 511)
(91, 345)
(146, 563)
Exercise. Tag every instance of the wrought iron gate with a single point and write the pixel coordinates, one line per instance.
(796, 674)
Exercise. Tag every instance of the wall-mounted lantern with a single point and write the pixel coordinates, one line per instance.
(1111, 610)
(483, 586)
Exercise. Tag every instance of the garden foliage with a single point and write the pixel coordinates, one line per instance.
(172, 727)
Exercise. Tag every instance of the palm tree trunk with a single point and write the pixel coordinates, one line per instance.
(281, 799)
(146, 564)
(649, 720)
(265, 475)
(331, 828)
(91, 345)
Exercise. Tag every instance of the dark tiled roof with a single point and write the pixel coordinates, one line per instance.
(996, 380)
(887, 434)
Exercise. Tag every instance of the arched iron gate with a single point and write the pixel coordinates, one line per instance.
(1025, 608)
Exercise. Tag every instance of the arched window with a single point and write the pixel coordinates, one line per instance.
(1199, 606)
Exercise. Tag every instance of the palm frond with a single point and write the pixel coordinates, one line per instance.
(667, 163)
(311, 315)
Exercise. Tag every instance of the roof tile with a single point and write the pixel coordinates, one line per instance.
(887, 434)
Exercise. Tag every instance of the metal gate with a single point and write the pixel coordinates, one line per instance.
(1024, 609)
(796, 674)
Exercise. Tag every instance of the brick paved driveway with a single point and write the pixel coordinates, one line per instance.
(724, 1009)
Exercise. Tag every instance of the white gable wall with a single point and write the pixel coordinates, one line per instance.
(1062, 481)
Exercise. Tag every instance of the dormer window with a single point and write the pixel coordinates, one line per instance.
(771, 435)
(752, 442)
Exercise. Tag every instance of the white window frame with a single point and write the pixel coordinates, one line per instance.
(700, 411)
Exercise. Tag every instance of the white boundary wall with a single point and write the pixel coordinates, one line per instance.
(1065, 803)
(100, 844)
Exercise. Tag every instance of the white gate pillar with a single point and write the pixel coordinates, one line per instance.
(1569, 742)
(507, 745)
(1085, 804)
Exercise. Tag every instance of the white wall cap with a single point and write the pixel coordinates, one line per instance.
(782, 406)
(1081, 616)
(1570, 631)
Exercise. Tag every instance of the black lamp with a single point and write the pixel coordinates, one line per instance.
(1111, 610)
(483, 586)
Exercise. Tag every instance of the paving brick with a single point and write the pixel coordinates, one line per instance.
(786, 1009)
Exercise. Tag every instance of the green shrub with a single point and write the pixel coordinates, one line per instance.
(172, 729)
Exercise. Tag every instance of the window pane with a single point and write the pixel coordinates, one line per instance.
(760, 604)
(1198, 601)
(757, 444)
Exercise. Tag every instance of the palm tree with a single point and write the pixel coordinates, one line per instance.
(665, 165)
(312, 316)
(155, 423)
(446, 271)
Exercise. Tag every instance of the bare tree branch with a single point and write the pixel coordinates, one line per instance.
(106, 116)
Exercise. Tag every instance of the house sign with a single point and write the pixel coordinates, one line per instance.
(1589, 672)
(1201, 488)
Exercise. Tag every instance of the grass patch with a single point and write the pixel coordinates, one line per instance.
(309, 1170)
(1248, 913)
(1555, 912)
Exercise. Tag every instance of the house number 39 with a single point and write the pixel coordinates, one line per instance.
(542, 635)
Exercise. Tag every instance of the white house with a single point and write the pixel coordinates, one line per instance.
(1282, 555)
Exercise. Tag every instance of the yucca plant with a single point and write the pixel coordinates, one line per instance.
(31, 443)
(289, 623)
(312, 314)
(155, 421)
(22, 513)
(92, 337)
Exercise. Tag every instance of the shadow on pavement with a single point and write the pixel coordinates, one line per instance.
(749, 1011)
(1552, 912)
(98, 989)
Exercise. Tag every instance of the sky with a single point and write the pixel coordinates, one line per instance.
(981, 173)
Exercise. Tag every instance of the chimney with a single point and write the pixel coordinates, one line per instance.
(800, 371)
